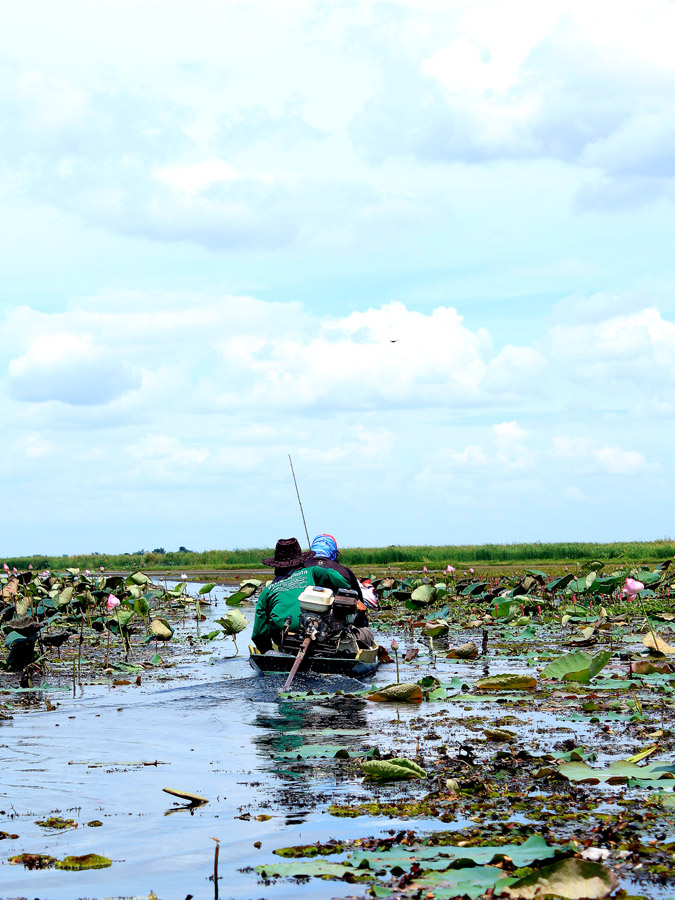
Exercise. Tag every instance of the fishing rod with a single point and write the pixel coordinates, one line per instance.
(309, 543)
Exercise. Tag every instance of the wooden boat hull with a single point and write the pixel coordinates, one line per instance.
(274, 661)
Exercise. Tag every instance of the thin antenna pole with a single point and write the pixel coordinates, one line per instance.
(309, 543)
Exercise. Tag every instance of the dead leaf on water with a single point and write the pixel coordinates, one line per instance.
(193, 799)
(656, 642)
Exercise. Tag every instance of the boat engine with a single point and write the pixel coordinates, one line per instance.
(325, 617)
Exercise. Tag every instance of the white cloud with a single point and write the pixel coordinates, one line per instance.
(198, 176)
(620, 462)
(71, 368)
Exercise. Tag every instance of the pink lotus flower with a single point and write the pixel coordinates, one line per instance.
(5, 567)
(424, 568)
(111, 602)
(102, 568)
(632, 587)
(471, 570)
(31, 567)
(394, 645)
(86, 572)
(450, 569)
(14, 570)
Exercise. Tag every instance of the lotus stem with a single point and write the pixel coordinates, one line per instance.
(649, 624)
(79, 651)
(398, 677)
(107, 649)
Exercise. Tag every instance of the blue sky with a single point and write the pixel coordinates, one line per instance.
(425, 247)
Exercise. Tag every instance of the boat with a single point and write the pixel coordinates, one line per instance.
(356, 665)
(325, 642)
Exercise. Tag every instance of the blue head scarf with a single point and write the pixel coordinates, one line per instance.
(326, 546)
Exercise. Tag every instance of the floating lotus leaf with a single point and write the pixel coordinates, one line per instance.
(500, 734)
(507, 682)
(88, 861)
(464, 651)
(656, 642)
(571, 878)
(617, 773)
(577, 666)
(401, 693)
(320, 868)
(392, 769)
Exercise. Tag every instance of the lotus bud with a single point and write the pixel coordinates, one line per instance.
(111, 602)
(394, 645)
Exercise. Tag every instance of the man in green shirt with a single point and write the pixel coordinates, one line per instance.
(293, 572)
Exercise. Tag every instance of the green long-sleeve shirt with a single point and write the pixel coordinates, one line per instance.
(280, 599)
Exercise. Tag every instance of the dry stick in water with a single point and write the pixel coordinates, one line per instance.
(215, 866)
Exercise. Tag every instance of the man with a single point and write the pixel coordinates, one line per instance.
(278, 601)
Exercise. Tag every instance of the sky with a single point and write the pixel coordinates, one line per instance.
(425, 247)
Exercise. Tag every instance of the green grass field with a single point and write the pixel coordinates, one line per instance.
(398, 557)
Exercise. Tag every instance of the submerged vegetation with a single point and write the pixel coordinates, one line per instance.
(399, 557)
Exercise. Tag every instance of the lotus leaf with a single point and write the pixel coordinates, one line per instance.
(233, 622)
(239, 596)
(500, 734)
(464, 651)
(141, 606)
(392, 769)
(207, 588)
(617, 773)
(577, 666)
(161, 630)
(534, 848)
(434, 627)
(507, 682)
(324, 751)
(88, 861)
(320, 868)
(571, 878)
(138, 578)
(421, 596)
(398, 693)
(656, 642)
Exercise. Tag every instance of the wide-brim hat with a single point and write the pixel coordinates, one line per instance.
(287, 554)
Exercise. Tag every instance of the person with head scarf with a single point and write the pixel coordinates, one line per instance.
(279, 600)
(326, 555)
